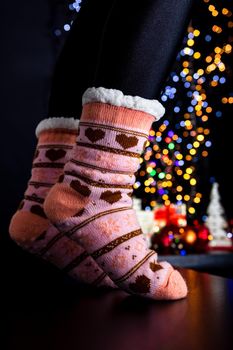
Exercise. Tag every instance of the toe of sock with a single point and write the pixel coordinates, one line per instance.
(175, 289)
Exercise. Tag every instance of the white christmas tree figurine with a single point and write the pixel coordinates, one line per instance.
(215, 220)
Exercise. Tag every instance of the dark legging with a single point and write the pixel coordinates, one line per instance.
(121, 44)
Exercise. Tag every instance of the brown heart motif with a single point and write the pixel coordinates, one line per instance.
(36, 209)
(141, 285)
(126, 141)
(111, 197)
(55, 154)
(94, 135)
(82, 189)
(155, 267)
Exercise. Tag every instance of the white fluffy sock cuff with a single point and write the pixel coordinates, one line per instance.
(57, 123)
(117, 98)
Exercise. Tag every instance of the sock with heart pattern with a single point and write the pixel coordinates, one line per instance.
(30, 227)
(93, 203)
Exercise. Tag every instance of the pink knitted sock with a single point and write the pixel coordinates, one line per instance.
(30, 227)
(98, 184)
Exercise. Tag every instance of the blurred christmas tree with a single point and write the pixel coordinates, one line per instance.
(175, 164)
(216, 221)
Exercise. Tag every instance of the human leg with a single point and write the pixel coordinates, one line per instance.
(139, 45)
(76, 65)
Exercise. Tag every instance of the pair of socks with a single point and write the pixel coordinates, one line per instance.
(95, 235)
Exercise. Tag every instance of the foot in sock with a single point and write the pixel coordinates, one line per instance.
(93, 204)
(30, 227)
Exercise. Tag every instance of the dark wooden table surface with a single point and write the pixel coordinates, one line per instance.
(44, 310)
(216, 262)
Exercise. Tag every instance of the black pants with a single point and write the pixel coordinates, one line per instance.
(121, 44)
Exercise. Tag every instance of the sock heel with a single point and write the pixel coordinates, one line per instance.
(62, 202)
(26, 227)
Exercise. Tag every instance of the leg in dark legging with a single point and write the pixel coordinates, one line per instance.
(139, 45)
(76, 65)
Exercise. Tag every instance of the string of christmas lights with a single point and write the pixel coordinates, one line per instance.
(169, 165)
(73, 7)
